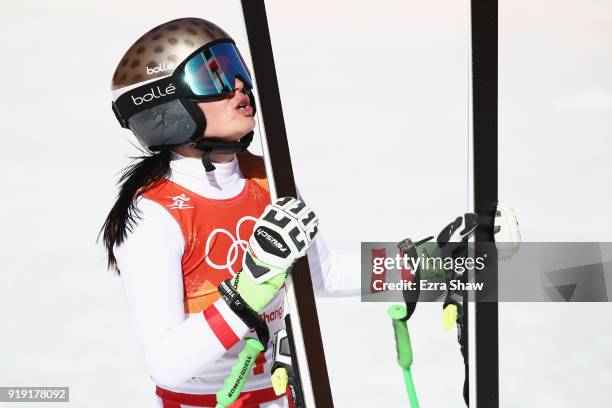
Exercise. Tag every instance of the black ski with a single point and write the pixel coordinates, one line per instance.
(308, 351)
(484, 15)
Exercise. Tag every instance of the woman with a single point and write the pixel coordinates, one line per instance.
(181, 222)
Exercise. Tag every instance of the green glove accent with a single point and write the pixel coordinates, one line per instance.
(426, 250)
(257, 295)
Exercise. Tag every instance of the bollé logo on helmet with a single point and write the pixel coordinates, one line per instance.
(155, 93)
(159, 68)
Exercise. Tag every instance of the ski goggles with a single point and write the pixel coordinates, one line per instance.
(209, 73)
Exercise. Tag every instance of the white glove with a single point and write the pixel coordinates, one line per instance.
(459, 230)
(506, 231)
(282, 234)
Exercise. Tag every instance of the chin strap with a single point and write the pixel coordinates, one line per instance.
(210, 145)
(206, 162)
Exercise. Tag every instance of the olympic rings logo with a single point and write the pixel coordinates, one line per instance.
(234, 249)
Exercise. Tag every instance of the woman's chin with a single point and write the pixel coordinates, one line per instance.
(241, 135)
(248, 126)
(249, 123)
(238, 130)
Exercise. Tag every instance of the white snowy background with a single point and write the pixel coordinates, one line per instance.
(375, 99)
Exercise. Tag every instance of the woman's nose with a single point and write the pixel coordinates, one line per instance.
(238, 84)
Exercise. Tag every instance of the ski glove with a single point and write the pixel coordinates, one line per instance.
(506, 232)
(450, 242)
(282, 234)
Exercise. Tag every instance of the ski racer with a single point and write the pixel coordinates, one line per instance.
(194, 213)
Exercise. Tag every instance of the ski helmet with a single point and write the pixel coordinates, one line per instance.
(161, 76)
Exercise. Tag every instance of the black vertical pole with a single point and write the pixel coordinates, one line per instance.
(271, 109)
(485, 95)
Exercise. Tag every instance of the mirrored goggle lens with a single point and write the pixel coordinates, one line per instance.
(213, 70)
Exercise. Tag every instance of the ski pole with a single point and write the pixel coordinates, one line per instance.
(399, 315)
(233, 384)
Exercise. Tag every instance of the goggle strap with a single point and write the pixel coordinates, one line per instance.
(120, 119)
(147, 96)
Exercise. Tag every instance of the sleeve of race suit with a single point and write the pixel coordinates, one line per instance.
(177, 345)
(334, 273)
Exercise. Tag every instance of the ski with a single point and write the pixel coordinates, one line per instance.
(481, 318)
(302, 321)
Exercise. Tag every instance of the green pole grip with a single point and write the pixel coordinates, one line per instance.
(233, 384)
(398, 314)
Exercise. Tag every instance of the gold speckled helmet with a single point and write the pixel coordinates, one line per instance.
(161, 76)
(159, 51)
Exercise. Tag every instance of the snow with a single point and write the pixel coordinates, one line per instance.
(375, 102)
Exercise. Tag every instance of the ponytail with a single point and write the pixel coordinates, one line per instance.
(134, 180)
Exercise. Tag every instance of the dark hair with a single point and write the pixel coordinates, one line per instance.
(134, 180)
